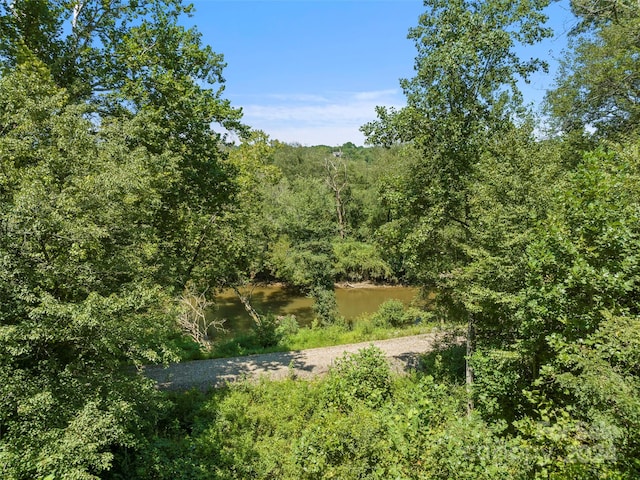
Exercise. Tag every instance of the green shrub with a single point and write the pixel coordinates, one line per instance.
(287, 326)
(390, 314)
(499, 378)
(359, 377)
(325, 306)
(343, 445)
(266, 331)
(446, 363)
(364, 326)
(466, 448)
(415, 316)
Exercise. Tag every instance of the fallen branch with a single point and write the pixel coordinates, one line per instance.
(193, 318)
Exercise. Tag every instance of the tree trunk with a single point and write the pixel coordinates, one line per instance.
(336, 185)
(341, 221)
(196, 252)
(467, 366)
(247, 306)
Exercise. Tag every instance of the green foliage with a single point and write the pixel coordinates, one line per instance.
(597, 81)
(287, 326)
(285, 430)
(306, 266)
(359, 261)
(499, 378)
(271, 331)
(390, 313)
(111, 54)
(469, 449)
(359, 377)
(114, 195)
(465, 60)
(464, 93)
(446, 363)
(325, 305)
(588, 399)
(78, 252)
(584, 259)
(343, 446)
(108, 191)
(107, 57)
(393, 313)
(266, 331)
(243, 231)
(302, 209)
(510, 196)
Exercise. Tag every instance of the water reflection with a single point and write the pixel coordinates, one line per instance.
(352, 302)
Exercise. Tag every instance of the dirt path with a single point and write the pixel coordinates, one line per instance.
(403, 354)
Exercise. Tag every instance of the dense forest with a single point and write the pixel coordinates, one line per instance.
(122, 205)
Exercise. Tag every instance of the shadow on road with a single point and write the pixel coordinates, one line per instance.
(206, 374)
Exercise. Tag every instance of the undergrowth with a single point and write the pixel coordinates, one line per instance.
(358, 422)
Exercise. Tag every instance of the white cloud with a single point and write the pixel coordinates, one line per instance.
(376, 95)
(297, 97)
(330, 119)
(326, 135)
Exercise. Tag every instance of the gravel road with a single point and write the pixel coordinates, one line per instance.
(403, 354)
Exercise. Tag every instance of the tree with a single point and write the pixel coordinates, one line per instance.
(516, 179)
(302, 254)
(464, 89)
(583, 260)
(111, 183)
(77, 300)
(597, 85)
(337, 181)
(244, 231)
(133, 61)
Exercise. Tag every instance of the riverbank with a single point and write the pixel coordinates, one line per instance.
(346, 284)
(340, 284)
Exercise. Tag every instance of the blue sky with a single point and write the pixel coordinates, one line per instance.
(312, 71)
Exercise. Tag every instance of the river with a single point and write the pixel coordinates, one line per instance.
(278, 300)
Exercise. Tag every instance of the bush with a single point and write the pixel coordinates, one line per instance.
(325, 306)
(266, 331)
(415, 316)
(446, 363)
(390, 314)
(341, 445)
(287, 326)
(364, 376)
(499, 378)
(393, 313)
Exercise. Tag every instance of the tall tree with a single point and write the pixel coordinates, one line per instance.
(598, 85)
(111, 182)
(465, 88)
(134, 61)
(77, 297)
(337, 181)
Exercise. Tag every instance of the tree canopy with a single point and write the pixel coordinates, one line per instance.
(111, 178)
(120, 195)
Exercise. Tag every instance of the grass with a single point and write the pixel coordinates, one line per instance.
(339, 335)
(360, 330)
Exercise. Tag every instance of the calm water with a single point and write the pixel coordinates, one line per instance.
(352, 302)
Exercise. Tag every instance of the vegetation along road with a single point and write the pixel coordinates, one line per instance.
(403, 354)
